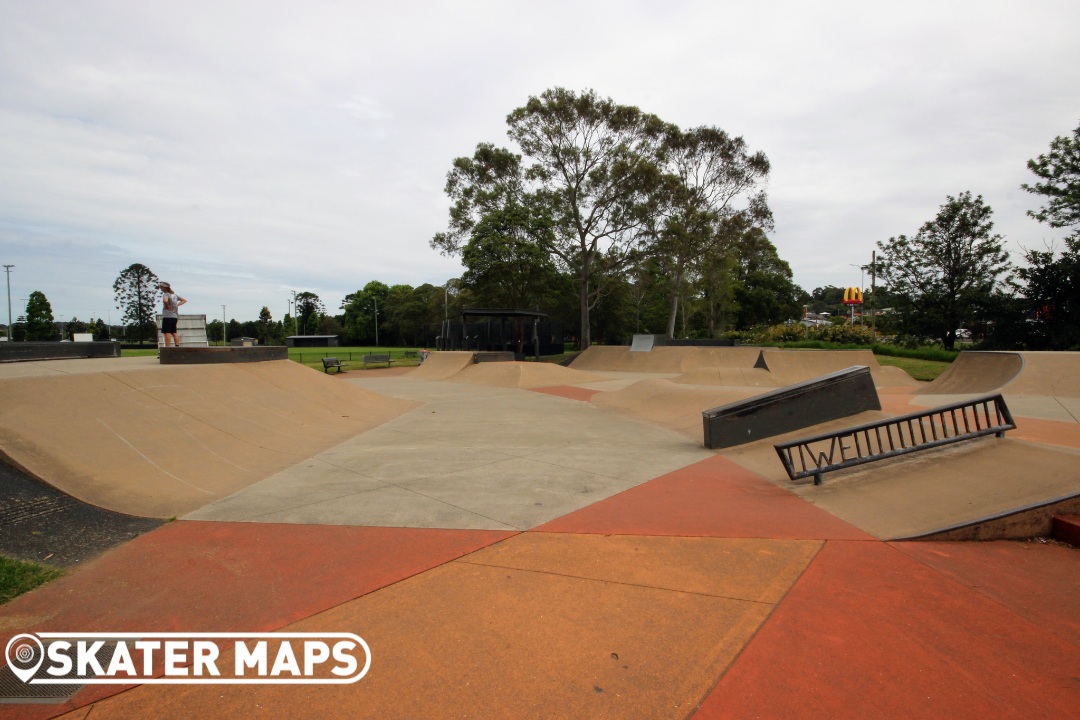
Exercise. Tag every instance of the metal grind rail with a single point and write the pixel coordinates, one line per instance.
(814, 456)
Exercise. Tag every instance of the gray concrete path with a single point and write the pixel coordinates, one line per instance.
(469, 457)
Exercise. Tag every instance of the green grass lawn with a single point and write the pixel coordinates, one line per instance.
(18, 577)
(919, 369)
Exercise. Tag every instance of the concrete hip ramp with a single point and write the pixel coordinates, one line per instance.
(164, 442)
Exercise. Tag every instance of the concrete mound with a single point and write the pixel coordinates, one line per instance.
(522, 375)
(164, 443)
(671, 405)
(729, 377)
(443, 364)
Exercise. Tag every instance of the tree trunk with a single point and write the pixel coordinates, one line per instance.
(585, 337)
(673, 303)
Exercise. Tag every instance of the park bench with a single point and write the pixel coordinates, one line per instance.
(383, 358)
(332, 362)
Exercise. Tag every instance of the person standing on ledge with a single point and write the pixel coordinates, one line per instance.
(170, 314)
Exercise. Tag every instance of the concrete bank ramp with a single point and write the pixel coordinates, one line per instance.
(664, 359)
(443, 364)
(163, 443)
(522, 375)
(931, 491)
(739, 366)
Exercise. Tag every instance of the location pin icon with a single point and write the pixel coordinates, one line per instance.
(24, 654)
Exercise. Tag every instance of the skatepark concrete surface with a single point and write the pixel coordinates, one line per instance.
(517, 541)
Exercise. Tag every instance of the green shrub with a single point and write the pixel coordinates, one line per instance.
(781, 334)
(843, 334)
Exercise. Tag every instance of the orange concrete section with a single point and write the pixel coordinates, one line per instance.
(164, 443)
(221, 577)
(1036, 581)
(443, 364)
(869, 632)
(712, 498)
(1048, 432)
(563, 627)
(976, 373)
(568, 391)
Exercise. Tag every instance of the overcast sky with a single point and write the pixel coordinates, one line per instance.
(244, 150)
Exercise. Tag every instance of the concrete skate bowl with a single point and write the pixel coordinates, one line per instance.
(669, 404)
(163, 443)
(522, 375)
(443, 364)
(795, 366)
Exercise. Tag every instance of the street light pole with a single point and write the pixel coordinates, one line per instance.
(224, 341)
(296, 312)
(862, 279)
(376, 321)
(7, 270)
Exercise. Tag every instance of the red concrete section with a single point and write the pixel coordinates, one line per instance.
(489, 641)
(711, 498)
(567, 391)
(1040, 582)
(219, 577)
(869, 632)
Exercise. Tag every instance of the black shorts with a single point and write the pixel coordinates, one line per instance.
(168, 326)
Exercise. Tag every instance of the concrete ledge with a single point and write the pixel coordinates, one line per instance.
(23, 351)
(1019, 524)
(213, 355)
(829, 397)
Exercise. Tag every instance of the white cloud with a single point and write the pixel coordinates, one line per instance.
(246, 149)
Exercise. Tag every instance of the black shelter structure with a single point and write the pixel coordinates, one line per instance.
(522, 332)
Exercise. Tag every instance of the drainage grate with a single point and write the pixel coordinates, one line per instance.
(14, 690)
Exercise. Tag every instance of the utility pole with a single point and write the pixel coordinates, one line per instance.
(873, 291)
(7, 270)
